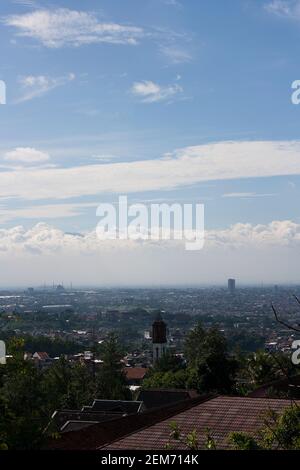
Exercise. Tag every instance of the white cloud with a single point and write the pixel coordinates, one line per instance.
(184, 167)
(284, 8)
(176, 54)
(251, 253)
(46, 211)
(39, 85)
(64, 27)
(45, 238)
(151, 92)
(276, 233)
(26, 155)
(246, 195)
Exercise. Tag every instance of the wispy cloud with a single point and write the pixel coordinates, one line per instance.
(173, 3)
(176, 54)
(246, 195)
(26, 155)
(150, 92)
(26, 3)
(184, 167)
(284, 8)
(36, 86)
(46, 211)
(64, 27)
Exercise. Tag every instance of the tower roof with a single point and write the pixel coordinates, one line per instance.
(158, 317)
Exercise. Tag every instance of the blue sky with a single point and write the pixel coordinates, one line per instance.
(100, 87)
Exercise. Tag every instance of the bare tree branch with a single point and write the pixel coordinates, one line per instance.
(282, 322)
(297, 299)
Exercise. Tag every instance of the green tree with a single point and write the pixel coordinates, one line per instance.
(280, 431)
(166, 379)
(168, 372)
(243, 441)
(111, 380)
(67, 386)
(190, 441)
(210, 368)
(168, 363)
(29, 395)
(283, 431)
(193, 346)
(22, 417)
(261, 368)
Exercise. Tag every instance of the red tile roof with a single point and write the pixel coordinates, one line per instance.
(221, 415)
(135, 373)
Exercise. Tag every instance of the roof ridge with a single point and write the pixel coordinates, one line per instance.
(189, 404)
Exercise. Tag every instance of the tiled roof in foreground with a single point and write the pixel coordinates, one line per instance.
(221, 415)
(106, 432)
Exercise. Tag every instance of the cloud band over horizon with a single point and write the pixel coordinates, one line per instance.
(249, 252)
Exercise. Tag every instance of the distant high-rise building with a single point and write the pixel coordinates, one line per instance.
(231, 286)
(159, 338)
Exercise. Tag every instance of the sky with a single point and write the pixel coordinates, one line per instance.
(176, 101)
